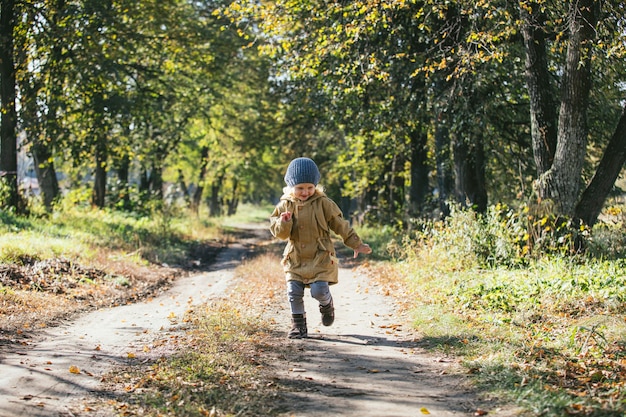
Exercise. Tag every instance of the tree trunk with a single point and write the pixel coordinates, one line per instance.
(233, 202)
(156, 179)
(197, 195)
(542, 104)
(469, 169)
(593, 198)
(215, 206)
(46, 174)
(144, 180)
(99, 185)
(123, 173)
(444, 177)
(8, 124)
(183, 186)
(43, 146)
(420, 187)
(561, 183)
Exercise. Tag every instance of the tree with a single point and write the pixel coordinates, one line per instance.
(8, 112)
(42, 78)
(560, 140)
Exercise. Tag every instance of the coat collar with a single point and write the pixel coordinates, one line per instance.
(291, 198)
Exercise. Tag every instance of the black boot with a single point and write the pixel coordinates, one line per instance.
(298, 327)
(328, 313)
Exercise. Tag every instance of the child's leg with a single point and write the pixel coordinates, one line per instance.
(321, 292)
(295, 292)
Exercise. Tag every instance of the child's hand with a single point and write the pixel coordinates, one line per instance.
(285, 217)
(364, 248)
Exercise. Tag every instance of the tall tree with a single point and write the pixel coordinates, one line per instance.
(561, 182)
(8, 112)
(560, 139)
(45, 44)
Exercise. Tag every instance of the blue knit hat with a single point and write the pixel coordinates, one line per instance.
(301, 171)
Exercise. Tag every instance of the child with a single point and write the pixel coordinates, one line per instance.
(305, 216)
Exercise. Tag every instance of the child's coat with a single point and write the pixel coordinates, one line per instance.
(310, 255)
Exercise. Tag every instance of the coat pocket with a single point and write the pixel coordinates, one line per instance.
(326, 252)
(290, 257)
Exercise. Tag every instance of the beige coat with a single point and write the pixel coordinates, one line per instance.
(310, 255)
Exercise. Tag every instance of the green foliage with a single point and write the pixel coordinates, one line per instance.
(501, 236)
(378, 238)
(161, 236)
(532, 321)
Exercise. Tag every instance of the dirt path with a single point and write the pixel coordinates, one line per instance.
(364, 365)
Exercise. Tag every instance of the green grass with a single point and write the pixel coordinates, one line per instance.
(75, 233)
(546, 332)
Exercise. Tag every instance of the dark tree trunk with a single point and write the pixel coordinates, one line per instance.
(593, 198)
(469, 168)
(197, 195)
(46, 174)
(123, 173)
(444, 173)
(233, 202)
(420, 187)
(183, 186)
(156, 180)
(215, 206)
(541, 92)
(561, 183)
(99, 186)
(8, 125)
(144, 180)
(395, 184)
(42, 148)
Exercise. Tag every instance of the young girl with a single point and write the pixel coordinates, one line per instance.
(305, 216)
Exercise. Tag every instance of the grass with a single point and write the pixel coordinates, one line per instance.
(217, 370)
(548, 335)
(79, 259)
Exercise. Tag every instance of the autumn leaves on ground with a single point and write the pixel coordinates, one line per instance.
(546, 335)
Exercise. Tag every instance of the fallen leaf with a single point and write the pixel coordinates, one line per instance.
(74, 369)
(480, 412)
(424, 410)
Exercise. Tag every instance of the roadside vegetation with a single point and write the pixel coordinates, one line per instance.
(52, 267)
(533, 320)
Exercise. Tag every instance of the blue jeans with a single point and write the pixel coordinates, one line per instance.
(295, 292)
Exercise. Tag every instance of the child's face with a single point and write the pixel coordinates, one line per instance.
(304, 191)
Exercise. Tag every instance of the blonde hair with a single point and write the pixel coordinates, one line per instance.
(319, 188)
